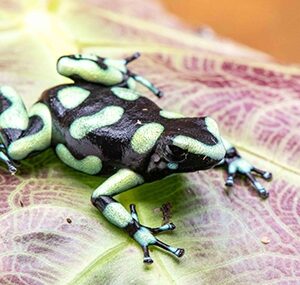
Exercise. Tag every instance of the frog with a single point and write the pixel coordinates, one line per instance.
(99, 124)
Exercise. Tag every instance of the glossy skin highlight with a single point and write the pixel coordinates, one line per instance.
(109, 128)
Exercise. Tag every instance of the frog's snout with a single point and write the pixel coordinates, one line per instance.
(218, 149)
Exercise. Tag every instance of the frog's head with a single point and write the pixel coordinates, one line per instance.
(95, 69)
(188, 144)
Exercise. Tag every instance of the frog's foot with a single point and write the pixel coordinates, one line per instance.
(145, 237)
(9, 163)
(238, 165)
(244, 168)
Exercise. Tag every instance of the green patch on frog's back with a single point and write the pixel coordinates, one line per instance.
(125, 94)
(72, 96)
(105, 117)
(146, 136)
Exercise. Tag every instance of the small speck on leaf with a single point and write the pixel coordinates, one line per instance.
(21, 204)
(265, 240)
(69, 221)
(166, 210)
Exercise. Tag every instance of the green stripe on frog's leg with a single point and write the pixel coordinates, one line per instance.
(36, 141)
(13, 120)
(72, 96)
(90, 164)
(89, 70)
(85, 124)
(14, 115)
(122, 181)
(22, 133)
(116, 214)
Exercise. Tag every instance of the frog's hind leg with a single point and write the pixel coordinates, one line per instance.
(21, 133)
(115, 213)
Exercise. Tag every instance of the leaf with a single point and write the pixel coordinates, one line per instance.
(49, 231)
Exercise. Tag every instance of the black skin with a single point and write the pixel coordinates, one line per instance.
(112, 144)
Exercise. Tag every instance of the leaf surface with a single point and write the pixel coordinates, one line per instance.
(49, 231)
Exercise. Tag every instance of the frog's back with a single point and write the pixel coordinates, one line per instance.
(98, 123)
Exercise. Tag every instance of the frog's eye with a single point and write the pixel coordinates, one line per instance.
(175, 153)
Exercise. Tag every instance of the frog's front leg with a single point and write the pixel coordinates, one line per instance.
(115, 213)
(236, 164)
(22, 133)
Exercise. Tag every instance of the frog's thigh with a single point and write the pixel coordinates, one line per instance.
(90, 164)
(36, 137)
(72, 96)
(13, 114)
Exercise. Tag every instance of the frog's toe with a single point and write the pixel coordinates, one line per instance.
(9, 163)
(12, 169)
(132, 57)
(159, 94)
(164, 228)
(267, 175)
(229, 182)
(179, 252)
(147, 258)
(145, 236)
(262, 192)
(133, 212)
(264, 174)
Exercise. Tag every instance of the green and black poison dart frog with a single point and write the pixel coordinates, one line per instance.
(100, 125)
